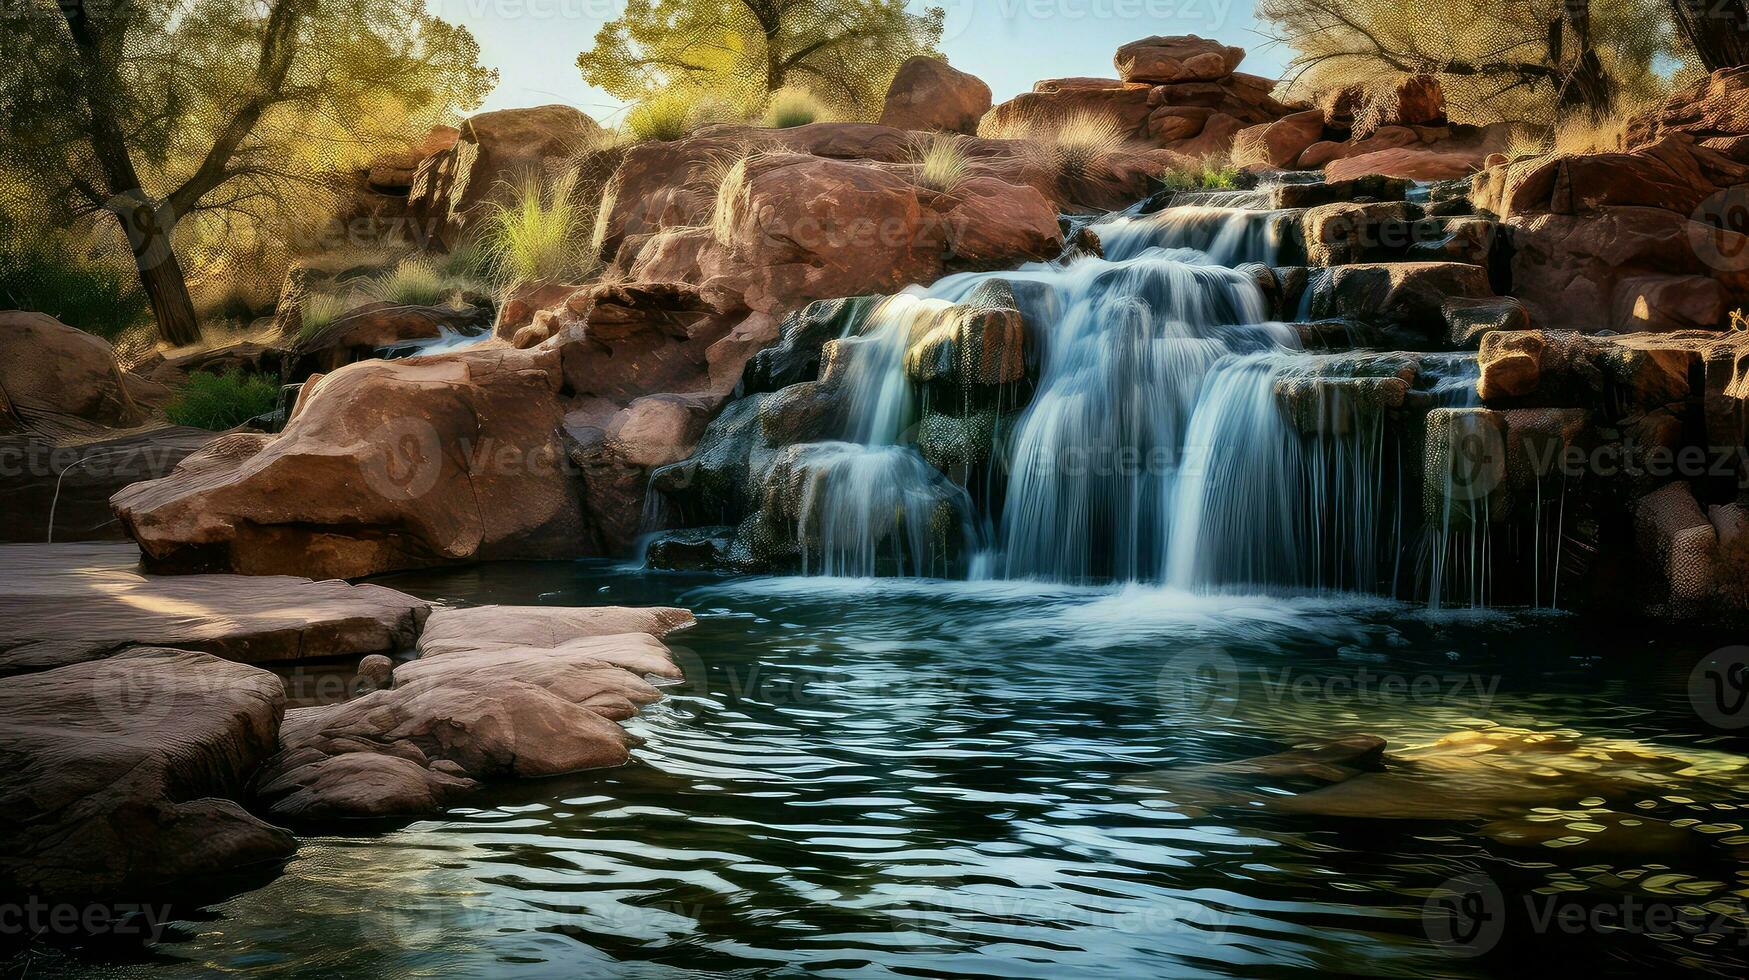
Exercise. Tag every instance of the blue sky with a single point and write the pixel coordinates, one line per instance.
(1008, 43)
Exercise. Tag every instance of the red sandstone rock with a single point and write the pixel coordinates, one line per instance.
(1183, 58)
(927, 94)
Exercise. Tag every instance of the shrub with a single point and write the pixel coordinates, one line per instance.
(48, 277)
(673, 113)
(942, 161)
(223, 401)
(539, 234)
(663, 117)
(1068, 144)
(1212, 173)
(415, 282)
(791, 107)
(319, 311)
(732, 191)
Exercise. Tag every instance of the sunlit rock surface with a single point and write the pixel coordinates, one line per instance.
(61, 604)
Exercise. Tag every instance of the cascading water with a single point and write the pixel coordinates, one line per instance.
(1174, 435)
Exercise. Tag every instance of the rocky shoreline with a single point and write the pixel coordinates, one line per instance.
(112, 671)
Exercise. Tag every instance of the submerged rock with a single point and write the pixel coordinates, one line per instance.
(116, 777)
(498, 693)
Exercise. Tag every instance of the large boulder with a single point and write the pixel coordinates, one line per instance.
(453, 188)
(1279, 144)
(1196, 114)
(117, 777)
(1670, 174)
(55, 378)
(927, 94)
(384, 465)
(1181, 58)
(1712, 112)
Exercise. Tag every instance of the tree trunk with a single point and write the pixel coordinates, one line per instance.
(148, 232)
(1718, 29)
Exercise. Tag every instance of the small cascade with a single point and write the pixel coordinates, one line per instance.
(877, 510)
(1095, 455)
(1225, 235)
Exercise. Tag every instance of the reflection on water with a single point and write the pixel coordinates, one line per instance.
(1008, 779)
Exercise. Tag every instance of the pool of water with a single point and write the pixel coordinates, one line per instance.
(1002, 779)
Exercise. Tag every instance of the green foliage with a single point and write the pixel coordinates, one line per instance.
(942, 161)
(540, 234)
(415, 282)
(791, 107)
(47, 275)
(671, 114)
(1068, 144)
(846, 50)
(1212, 173)
(318, 313)
(223, 401)
(232, 116)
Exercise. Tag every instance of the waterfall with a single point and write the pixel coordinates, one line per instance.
(1172, 434)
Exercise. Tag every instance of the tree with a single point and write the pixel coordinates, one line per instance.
(844, 51)
(156, 111)
(1526, 61)
(1718, 30)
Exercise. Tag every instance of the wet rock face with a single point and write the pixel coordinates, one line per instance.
(498, 692)
(119, 775)
(928, 95)
(1403, 296)
(384, 465)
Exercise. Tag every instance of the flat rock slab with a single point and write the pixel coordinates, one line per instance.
(116, 775)
(476, 628)
(68, 603)
(476, 707)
